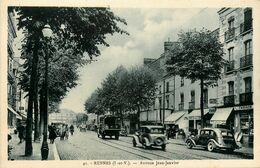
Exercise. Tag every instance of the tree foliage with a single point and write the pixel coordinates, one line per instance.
(123, 90)
(198, 56)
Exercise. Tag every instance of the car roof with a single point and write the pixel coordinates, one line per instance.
(216, 129)
(151, 126)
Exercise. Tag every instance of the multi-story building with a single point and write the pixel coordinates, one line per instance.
(235, 89)
(228, 105)
(12, 73)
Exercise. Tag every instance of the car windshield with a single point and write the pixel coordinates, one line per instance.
(226, 133)
(157, 131)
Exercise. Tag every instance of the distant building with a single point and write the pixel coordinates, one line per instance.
(64, 116)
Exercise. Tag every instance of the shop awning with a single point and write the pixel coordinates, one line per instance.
(171, 119)
(196, 114)
(221, 115)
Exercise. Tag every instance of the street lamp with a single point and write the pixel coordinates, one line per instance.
(47, 33)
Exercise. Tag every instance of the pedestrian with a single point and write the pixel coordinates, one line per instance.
(10, 148)
(21, 131)
(52, 134)
(71, 129)
(62, 132)
(66, 132)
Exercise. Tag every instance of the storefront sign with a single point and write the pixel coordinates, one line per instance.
(248, 107)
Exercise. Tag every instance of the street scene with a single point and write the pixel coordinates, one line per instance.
(130, 84)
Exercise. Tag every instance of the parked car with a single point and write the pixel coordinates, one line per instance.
(213, 138)
(149, 136)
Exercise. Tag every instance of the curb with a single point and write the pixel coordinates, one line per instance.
(55, 152)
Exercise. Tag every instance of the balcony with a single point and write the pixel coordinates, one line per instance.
(246, 61)
(230, 34)
(181, 106)
(229, 100)
(230, 66)
(246, 98)
(191, 105)
(246, 26)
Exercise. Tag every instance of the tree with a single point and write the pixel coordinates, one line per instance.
(81, 29)
(199, 56)
(140, 88)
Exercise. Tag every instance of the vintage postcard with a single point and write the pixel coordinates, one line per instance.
(129, 84)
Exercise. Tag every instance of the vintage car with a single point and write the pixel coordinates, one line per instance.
(213, 138)
(149, 136)
(108, 125)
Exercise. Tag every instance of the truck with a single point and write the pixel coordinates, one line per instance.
(108, 125)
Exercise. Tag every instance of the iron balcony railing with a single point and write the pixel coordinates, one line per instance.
(181, 106)
(246, 98)
(229, 34)
(245, 26)
(230, 66)
(246, 61)
(192, 105)
(229, 100)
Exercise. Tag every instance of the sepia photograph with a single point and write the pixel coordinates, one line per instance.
(129, 86)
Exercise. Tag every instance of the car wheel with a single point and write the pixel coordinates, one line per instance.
(210, 146)
(189, 144)
(98, 135)
(134, 143)
(163, 147)
(116, 136)
(103, 136)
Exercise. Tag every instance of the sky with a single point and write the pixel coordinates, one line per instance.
(148, 29)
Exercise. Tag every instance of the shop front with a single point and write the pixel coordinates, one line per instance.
(244, 124)
(195, 120)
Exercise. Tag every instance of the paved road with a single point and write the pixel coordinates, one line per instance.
(87, 146)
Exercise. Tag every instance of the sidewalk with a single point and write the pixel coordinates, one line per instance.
(246, 151)
(19, 149)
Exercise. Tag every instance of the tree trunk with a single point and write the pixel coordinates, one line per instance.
(202, 102)
(28, 142)
(36, 115)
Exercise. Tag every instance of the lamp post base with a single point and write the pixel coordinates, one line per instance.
(45, 150)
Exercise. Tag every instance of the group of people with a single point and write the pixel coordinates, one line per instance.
(62, 131)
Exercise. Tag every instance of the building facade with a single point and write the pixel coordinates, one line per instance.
(235, 89)
(12, 73)
(230, 103)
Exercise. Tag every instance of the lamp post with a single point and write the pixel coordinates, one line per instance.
(47, 32)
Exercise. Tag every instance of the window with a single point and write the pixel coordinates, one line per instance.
(231, 54)
(160, 103)
(231, 88)
(167, 101)
(182, 81)
(248, 84)
(182, 97)
(248, 19)
(167, 86)
(248, 47)
(192, 96)
(231, 23)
